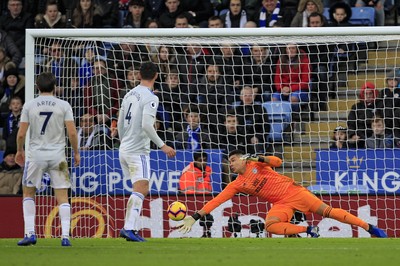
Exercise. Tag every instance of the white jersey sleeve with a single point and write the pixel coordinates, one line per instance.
(46, 116)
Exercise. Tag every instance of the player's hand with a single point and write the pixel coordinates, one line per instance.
(170, 152)
(187, 224)
(250, 157)
(20, 158)
(77, 159)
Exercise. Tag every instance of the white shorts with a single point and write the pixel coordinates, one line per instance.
(136, 167)
(57, 170)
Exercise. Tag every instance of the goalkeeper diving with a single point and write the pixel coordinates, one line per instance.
(257, 178)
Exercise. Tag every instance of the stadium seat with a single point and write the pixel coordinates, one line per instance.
(280, 117)
(354, 189)
(361, 16)
(322, 189)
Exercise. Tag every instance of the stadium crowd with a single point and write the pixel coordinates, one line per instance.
(210, 96)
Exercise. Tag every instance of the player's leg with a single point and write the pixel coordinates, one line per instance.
(138, 169)
(277, 222)
(60, 181)
(30, 181)
(343, 216)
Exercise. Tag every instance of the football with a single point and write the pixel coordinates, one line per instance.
(177, 211)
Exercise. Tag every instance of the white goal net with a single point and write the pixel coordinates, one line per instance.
(326, 101)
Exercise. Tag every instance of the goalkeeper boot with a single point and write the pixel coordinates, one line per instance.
(313, 231)
(130, 235)
(375, 231)
(27, 241)
(65, 242)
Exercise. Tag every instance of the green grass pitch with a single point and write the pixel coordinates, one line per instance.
(206, 252)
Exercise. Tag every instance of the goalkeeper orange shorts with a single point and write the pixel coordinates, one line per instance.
(303, 201)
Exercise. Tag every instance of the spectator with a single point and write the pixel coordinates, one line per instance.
(10, 174)
(11, 123)
(231, 66)
(316, 19)
(52, 18)
(168, 16)
(173, 95)
(13, 85)
(196, 177)
(362, 113)
(132, 78)
(192, 66)
(270, 13)
(215, 22)
(102, 93)
(74, 95)
(124, 55)
(388, 104)
(258, 71)
(305, 8)
(85, 69)
(92, 135)
(292, 76)
(108, 12)
(236, 17)
(230, 136)
(181, 21)
(319, 63)
(62, 66)
(379, 139)
(254, 119)
(340, 14)
(165, 59)
(152, 24)
(193, 136)
(136, 18)
(212, 94)
(155, 7)
(87, 15)
(340, 139)
(15, 23)
(199, 10)
(10, 48)
(5, 63)
(378, 5)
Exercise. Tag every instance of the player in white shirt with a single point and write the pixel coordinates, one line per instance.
(45, 117)
(136, 129)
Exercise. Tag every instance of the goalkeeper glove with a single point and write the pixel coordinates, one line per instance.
(252, 157)
(188, 223)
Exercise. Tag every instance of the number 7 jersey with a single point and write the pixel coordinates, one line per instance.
(46, 116)
(136, 103)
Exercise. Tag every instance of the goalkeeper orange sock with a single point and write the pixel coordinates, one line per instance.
(285, 229)
(344, 217)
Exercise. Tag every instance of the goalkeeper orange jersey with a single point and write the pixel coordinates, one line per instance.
(259, 180)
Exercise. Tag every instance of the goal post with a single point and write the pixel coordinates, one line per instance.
(208, 73)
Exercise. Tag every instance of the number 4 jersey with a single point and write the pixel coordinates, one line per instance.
(137, 102)
(46, 116)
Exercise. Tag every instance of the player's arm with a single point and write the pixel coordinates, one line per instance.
(148, 127)
(272, 161)
(120, 123)
(73, 139)
(20, 155)
(230, 191)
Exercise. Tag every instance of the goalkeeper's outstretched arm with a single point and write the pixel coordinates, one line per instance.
(272, 161)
